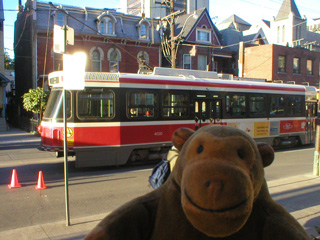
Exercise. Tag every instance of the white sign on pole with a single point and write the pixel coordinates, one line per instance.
(74, 71)
(58, 39)
(70, 36)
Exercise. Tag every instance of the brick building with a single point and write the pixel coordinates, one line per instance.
(275, 62)
(113, 41)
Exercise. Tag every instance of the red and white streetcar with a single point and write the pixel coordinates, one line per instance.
(122, 117)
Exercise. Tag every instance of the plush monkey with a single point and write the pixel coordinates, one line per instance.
(216, 190)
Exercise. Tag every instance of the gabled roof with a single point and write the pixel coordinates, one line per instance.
(287, 7)
(191, 23)
(235, 19)
(266, 22)
(182, 20)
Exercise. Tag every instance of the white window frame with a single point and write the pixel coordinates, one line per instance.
(144, 23)
(101, 56)
(201, 30)
(107, 26)
(103, 24)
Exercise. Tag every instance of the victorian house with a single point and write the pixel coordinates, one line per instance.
(112, 41)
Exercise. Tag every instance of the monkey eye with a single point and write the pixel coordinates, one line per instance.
(241, 154)
(200, 149)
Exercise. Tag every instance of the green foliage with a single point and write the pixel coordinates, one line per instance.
(35, 100)
(8, 62)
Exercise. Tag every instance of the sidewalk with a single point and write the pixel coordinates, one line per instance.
(300, 195)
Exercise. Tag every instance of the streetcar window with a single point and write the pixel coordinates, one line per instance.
(95, 105)
(277, 106)
(141, 104)
(54, 109)
(236, 105)
(295, 107)
(175, 105)
(257, 106)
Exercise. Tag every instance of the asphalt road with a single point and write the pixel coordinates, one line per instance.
(91, 191)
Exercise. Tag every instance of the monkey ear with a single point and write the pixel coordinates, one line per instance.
(266, 153)
(180, 136)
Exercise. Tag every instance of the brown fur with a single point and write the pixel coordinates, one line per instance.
(217, 190)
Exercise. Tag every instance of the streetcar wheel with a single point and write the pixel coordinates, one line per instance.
(276, 142)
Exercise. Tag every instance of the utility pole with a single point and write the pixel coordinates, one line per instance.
(171, 51)
(172, 36)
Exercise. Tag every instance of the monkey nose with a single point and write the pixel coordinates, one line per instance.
(214, 187)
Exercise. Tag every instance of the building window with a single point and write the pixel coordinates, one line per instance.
(278, 35)
(143, 28)
(282, 64)
(143, 57)
(298, 32)
(143, 32)
(283, 33)
(203, 34)
(186, 61)
(96, 56)
(309, 67)
(296, 65)
(95, 62)
(107, 26)
(110, 27)
(102, 27)
(106, 23)
(202, 62)
(114, 57)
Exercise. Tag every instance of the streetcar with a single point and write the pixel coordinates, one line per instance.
(121, 118)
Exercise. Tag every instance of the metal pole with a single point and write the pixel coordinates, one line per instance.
(316, 161)
(65, 145)
(65, 153)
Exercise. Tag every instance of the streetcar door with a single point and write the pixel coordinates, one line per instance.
(310, 124)
(207, 111)
(215, 111)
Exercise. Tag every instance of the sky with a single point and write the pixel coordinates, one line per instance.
(249, 10)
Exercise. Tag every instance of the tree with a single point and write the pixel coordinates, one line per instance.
(35, 100)
(8, 62)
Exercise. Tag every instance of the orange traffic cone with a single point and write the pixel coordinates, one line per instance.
(41, 184)
(14, 180)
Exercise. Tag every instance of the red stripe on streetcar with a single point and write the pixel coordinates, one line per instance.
(208, 84)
